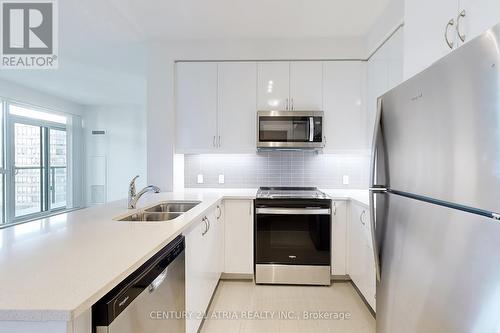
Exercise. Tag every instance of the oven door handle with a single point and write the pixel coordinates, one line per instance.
(311, 129)
(294, 211)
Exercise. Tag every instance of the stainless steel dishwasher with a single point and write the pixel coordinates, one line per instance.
(152, 299)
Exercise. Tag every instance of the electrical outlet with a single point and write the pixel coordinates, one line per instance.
(221, 179)
(200, 179)
(345, 179)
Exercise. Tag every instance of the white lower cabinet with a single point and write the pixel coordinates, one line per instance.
(361, 258)
(215, 240)
(203, 266)
(339, 238)
(238, 254)
(209, 253)
(220, 225)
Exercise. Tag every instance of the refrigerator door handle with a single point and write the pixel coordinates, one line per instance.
(377, 148)
(377, 153)
(374, 235)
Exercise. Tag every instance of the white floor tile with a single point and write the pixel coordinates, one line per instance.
(235, 301)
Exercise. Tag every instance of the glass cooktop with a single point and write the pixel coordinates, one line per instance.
(290, 192)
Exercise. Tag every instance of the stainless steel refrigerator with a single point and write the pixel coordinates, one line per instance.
(435, 197)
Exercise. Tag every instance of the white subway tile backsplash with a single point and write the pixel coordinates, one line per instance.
(277, 168)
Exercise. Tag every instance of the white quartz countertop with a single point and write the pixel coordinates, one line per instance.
(56, 268)
(360, 196)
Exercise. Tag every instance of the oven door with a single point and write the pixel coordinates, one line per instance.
(290, 129)
(292, 236)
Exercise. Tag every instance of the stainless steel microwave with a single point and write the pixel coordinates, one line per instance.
(290, 130)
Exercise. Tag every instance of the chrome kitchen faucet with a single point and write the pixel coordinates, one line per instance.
(133, 197)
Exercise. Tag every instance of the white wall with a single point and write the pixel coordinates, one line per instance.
(160, 94)
(391, 18)
(123, 145)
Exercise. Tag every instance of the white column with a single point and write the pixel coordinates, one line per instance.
(160, 125)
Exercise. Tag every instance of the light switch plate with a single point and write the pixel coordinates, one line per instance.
(200, 179)
(221, 179)
(345, 179)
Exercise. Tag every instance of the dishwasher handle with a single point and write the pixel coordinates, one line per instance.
(158, 281)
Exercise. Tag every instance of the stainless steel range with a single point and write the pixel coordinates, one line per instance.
(292, 236)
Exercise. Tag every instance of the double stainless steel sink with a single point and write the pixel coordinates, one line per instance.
(164, 211)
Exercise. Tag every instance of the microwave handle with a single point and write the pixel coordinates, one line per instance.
(311, 129)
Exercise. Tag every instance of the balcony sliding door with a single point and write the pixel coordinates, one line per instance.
(58, 174)
(38, 158)
(28, 169)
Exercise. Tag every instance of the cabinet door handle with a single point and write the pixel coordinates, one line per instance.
(460, 35)
(291, 103)
(220, 212)
(450, 23)
(219, 144)
(213, 142)
(286, 107)
(208, 220)
(361, 217)
(206, 227)
(334, 208)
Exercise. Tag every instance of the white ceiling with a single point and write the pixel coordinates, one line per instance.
(140, 20)
(101, 42)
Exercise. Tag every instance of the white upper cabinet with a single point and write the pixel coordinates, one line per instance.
(196, 109)
(216, 107)
(384, 71)
(306, 85)
(478, 16)
(426, 22)
(237, 106)
(434, 28)
(216, 103)
(345, 119)
(273, 85)
(296, 85)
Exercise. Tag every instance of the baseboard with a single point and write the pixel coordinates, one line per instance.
(364, 300)
(341, 278)
(208, 307)
(236, 276)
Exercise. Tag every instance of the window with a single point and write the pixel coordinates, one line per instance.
(36, 180)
